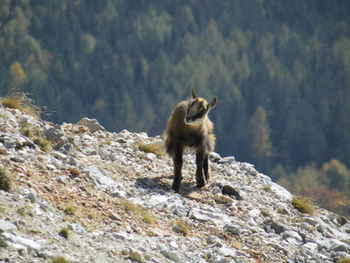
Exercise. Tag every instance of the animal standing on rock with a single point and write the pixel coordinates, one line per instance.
(189, 126)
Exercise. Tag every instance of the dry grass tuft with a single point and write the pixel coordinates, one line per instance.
(36, 136)
(181, 226)
(155, 148)
(344, 260)
(303, 205)
(59, 260)
(5, 180)
(70, 210)
(20, 100)
(138, 210)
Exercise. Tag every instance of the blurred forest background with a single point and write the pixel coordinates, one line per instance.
(281, 71)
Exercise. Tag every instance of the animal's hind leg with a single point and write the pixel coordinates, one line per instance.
(177, 169)
(199, 173)
(206, 167)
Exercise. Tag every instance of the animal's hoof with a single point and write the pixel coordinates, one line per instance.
(176, 188)
(200, 184)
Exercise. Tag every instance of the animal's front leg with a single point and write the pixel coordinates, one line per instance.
(206, 167)
(199, 174)
(177, 170)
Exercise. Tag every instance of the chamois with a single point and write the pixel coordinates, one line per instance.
(189, 126)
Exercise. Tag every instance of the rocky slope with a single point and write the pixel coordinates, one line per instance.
(115, 203)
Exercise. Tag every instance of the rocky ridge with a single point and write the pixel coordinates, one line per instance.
(116, 203)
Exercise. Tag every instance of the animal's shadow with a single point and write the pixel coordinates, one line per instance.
(164, 183)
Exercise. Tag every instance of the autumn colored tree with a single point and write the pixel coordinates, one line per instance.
(259, 138)
(335, 175)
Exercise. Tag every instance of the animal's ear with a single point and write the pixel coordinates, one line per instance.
(212, 103)
(194, 95)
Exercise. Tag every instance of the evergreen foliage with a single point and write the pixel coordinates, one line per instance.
(127, 63)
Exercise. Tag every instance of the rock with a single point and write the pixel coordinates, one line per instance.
(54, 135)
(270, 225)
(195, 196)
(92, 124)
(281, 192)
(6, 226)
(227, 160)
(21, 242)
(223, 199)
(214, 157)
(171, 255)
(136, 255)
(233, 228)
(229, 190)
(292, 234)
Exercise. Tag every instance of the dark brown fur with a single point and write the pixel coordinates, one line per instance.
(179, 135)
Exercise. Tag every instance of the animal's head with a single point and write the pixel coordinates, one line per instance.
(198, 109)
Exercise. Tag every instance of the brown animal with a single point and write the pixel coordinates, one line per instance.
(189, 126)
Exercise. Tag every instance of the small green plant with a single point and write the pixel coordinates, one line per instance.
(181, 226)
(59, 260)
(64, 232)
(151, 234)
(5, 180)
(138, 210)
(2, 241)
(44, 144)
(344, 260)
(22, 211)
(70, 210)
(206, 257)
(36, 136)
(152, 148)
(303, 205)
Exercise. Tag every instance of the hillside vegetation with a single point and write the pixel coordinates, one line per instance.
(280, 70)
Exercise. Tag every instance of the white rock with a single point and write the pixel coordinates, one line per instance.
(6, 226)
(21, 242)
(281, 192)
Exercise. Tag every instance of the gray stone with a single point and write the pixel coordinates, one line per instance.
(272, 226)
(136, 255)
(281, 192)
(233, 228)
(78, 228)
(227, 160)
(292, 234)
(92, 124)
(171, 255)
(214, 157)
(21, 242)
(6, 226)
(54, 135)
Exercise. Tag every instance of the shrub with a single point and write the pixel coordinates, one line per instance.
(152, 148)
(70, 210)
(138, 210)
(344, 260)
(5, 180)
(181, 227)
(59, 260)
(303, 205)
(64, 232)
(36, 136)
(3, 243)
